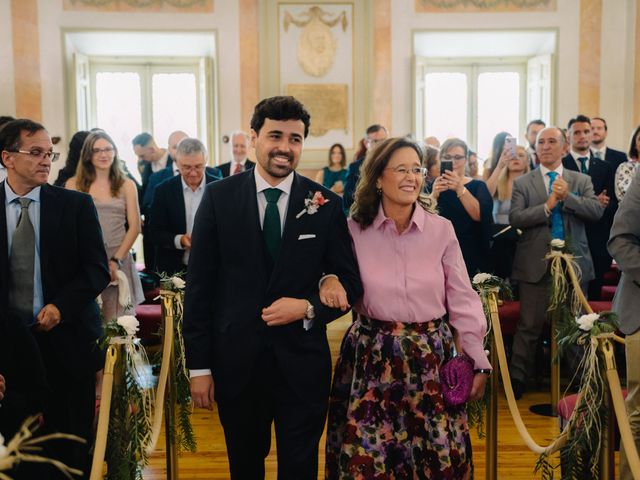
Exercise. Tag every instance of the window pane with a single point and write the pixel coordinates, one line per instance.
(118, 111)
(498, 107)
(174, 105)
(446, 105)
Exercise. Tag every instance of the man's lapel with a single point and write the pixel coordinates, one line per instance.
(537, 183)
(4, 252)
(179, 204)
(50, 210)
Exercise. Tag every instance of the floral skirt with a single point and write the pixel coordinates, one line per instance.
(387, 417)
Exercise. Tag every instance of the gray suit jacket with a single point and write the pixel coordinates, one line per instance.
(527, 214)
(624, 246)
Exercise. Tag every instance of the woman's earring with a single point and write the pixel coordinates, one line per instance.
(379, 191)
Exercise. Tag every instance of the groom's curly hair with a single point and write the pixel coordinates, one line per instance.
(280, 108)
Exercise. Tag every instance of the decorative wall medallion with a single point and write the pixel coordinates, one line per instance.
(317, 46)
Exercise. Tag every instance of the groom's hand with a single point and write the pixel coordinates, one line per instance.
(202, 391)
(284, 310)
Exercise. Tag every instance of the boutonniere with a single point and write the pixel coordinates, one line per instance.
(312, 203)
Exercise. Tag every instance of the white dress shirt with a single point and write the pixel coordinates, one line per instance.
(545, 178)
(160, 164)
(602, 152)
(192, 201)
(234, 165)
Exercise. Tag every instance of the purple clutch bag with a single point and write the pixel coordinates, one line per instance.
(457, 379)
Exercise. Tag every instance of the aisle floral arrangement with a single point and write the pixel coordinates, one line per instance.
(183, 435)
(485, 284)
(131, 402)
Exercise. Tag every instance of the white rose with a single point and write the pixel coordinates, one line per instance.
(557, 243)
(311, 209)
(129, 323)
(178, 282)
(481, 278)
(586, 322)
(4, 451)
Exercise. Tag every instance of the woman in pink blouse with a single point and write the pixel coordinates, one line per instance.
(387, 416)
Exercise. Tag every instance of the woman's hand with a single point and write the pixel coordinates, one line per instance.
(505, 158)
(477, 389)
(453, 181)
(439, 186)
(333, 294)
(113, 269)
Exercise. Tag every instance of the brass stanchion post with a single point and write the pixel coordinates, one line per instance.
(491, 440)
(555, 370)
(607, 450)
(170, 400)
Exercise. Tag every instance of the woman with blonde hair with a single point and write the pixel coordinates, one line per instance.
(116, 198)
(500, 185)
(388, 417)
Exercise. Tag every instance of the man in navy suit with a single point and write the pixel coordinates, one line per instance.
(63, 275)
(374, 134)
(174, 207)
(581, 159)
(253, 324)
(599, 146)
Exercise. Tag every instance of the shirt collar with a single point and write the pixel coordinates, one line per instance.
(417, 218)
(262, 184)
(203, 182)
(577, 155)
(10, 195)
(602, 150)
(544, 170)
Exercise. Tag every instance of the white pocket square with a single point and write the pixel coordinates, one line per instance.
(306, 236)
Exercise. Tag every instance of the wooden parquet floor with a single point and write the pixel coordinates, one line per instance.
(515, 460)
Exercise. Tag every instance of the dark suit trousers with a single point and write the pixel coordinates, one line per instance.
(534, 298)
(247, 420)
(70, 409)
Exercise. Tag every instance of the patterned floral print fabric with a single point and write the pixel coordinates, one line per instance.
(387, 417)
(624, 174)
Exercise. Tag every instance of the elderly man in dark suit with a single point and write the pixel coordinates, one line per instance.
(534, 201)
(602, 174)
(262, 241)
(52, 267)
(174, 207)
(239, 147)
(624, 246)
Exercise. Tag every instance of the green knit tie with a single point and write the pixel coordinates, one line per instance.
(271, 226)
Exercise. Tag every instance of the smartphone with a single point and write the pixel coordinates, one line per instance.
(510, 143)
(446, 165)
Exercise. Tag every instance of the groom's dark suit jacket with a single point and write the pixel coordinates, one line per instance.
(230, 280)
(74, 270)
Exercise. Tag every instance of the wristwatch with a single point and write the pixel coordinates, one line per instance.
(117, 260)
(486, 371)
(310, 314)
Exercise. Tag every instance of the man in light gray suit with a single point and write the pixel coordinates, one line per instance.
(535, 195)
(624, 246)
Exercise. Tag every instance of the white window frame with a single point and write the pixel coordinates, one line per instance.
(146, 68)
(472, 67)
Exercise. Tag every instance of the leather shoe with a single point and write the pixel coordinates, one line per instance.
(518, 388)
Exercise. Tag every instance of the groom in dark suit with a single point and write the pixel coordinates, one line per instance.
(254, 324)
(52, 267)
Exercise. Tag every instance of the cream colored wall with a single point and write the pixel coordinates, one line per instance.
(7, 95)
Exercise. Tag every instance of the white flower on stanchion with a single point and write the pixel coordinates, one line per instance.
(129, 323)
(586, 322)
(178, 282)
(480, 278)
(557, 244)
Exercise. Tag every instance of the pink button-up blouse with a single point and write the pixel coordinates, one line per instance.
(417, 276)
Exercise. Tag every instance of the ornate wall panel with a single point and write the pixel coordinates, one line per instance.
(475, 6)
(184, 6)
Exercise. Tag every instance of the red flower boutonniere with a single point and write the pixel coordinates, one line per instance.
(312, 203)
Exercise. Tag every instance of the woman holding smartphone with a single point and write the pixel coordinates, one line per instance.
(467, 203)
